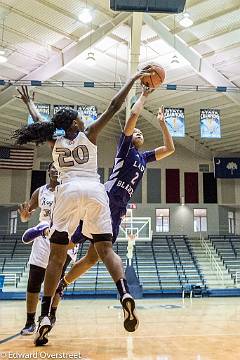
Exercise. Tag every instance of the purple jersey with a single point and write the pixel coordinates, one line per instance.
(127, 172)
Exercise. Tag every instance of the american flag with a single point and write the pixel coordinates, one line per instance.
(13, 158)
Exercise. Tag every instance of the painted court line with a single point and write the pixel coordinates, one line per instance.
(9, 338)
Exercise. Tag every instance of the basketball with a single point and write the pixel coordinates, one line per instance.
(156, 78)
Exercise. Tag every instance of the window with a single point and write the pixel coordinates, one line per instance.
(162, 220)
(200, 220)
(231, 223)
(13, 222)
(204, 168)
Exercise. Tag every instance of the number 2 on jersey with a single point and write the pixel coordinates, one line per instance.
(65, 153)
(135, 178)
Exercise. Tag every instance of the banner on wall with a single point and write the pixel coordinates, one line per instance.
(56, 108)
(88, 113)
(210, 126)
(175, 121)
(44, 110)
(227, 168)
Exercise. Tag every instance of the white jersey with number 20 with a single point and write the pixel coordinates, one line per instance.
(75, 158)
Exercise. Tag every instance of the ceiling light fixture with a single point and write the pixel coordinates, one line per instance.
(186, 21)
(91, 61)
(175, 61)
(85, 16)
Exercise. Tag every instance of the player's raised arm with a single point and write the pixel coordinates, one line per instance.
(27, 208)
(168, 148)
(135, 112)
(28, 101)
(114, 106)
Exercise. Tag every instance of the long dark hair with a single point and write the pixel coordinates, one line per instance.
(39, 133)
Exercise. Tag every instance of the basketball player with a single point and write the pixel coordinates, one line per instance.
(80, 196)
(127, 172)
(42, 197)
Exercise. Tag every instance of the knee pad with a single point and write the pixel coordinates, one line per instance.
(35, 278)
(102, 237)
(59, 237)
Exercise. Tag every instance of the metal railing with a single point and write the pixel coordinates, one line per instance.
(212, 259)
(237, 278)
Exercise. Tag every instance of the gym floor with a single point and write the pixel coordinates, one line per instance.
(201, 329)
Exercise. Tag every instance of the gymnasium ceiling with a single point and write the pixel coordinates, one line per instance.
(45, 40)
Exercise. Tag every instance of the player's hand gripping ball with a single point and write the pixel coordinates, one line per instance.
(156, 78)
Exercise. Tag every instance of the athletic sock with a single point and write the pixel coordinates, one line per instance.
(122, 287)
(46, 304)
(30, 318)
(53, 311)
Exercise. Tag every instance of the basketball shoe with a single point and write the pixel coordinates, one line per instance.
(130, 318)
(44, 327)
(28, 329)
(34, 232)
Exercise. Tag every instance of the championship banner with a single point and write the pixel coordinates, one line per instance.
(88, 114)
(44, 110)
(175, 121)
(56, 108)
(227, 168)
(210, 126)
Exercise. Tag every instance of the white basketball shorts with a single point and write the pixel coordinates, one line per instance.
(40, 252)
(84, 200)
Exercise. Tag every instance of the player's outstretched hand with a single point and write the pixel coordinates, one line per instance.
(24, 95)
(24, 212)
(143, 72)
(160, 115)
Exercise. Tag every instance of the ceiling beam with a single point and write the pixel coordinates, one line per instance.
(15, 122)
(224, 143)
(225, 149)
(69, 14)
(203, 21)
(134, 54)
(74, 16)
(58, 61)
(20, 34)
(39, 22)
(199, 64)
(218, 51)
(220, 37)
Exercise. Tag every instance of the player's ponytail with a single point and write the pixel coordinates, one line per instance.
(37, 133)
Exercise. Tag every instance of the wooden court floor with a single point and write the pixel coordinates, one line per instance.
(206, 329)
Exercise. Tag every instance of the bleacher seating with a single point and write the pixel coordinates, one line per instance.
(14, 257)
(165, 263)
(228, 248)
(176, 262)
